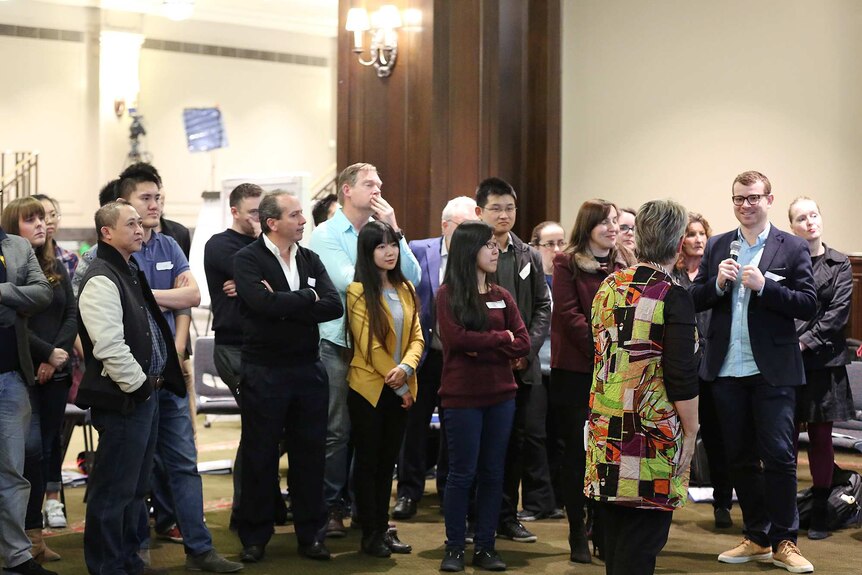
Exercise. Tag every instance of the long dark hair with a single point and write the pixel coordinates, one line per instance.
(368, 274)
(464, 299)
(592, 213)
(21, 209)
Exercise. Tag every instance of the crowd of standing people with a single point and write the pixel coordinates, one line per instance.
(653, 330)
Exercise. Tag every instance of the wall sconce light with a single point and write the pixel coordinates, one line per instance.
(382, 26)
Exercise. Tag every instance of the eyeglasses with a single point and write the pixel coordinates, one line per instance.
(52, 216)
(501, 209)
(492, 245)
(556, 244)
(626, 229)
(753, 199)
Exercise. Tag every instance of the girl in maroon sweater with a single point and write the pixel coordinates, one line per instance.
(591, 255)
(481, 331)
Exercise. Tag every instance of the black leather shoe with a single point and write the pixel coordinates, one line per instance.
(489, 560)
(396, 545)
(579, 546)
(29, 567)
(453, 560)
(252, 553)
(316, 550)
(722, 518)
(405, 508)
(374, 545)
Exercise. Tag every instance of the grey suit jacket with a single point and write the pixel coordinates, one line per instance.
(25, 292)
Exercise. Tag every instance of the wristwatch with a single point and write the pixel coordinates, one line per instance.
(399, 234)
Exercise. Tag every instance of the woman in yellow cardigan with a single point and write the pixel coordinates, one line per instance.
(383, 315)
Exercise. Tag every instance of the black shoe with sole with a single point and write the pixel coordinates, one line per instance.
(316, 550)
(29, 567)
(390, 538)
(405, 508)
(453, 560)
(516, 532)
(489, 560)
(722, 518)
(252, 553)
(373, 544)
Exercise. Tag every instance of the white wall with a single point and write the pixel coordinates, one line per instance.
(673, 98)
(278, 117)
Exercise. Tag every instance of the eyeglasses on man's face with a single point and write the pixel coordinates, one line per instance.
(495, 209)
(553, 244)
(624, 228)
(752, 200)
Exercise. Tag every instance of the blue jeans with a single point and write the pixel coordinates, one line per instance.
(14, 489)
(477, 438)
(117, 488)
(177, 488)
(757, 422)
(336, 360)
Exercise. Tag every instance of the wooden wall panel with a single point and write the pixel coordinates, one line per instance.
(475, 93)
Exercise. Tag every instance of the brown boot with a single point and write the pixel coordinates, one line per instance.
(40, 551)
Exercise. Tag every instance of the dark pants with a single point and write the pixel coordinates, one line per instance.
(713, 443)
(526, 456)
(376, 433)
(117, 487)
(413, 460)
(293, 401)
(42, 460)
(757, 421)
(477, 438)
(633, 538)
(569, 400)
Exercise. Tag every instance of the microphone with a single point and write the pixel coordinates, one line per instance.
(735, 246)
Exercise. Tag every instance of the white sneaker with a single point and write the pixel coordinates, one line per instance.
(54, 516)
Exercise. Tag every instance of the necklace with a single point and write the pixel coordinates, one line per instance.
(659, 267)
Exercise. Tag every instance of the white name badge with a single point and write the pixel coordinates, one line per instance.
(162, 266)
(312, 282)
(774, 277)
(525, 271)
(496, 304)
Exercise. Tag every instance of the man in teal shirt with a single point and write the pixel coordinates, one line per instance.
(335, 242)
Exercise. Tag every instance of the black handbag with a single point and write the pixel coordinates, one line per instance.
(844, 504)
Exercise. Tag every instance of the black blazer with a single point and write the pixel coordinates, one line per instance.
(771, 315)
(280, 327)
(823, 335)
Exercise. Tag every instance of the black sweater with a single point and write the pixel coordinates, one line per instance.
(57, 325)
(218, 266)
(280, 327)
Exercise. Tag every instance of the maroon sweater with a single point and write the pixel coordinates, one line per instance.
(486, 378)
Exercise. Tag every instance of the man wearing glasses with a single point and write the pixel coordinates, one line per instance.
(757, 279)
(520, 272)
(227, 321)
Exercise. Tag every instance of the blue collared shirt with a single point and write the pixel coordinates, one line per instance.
(335, 242)
(739, 361)
(162, 261)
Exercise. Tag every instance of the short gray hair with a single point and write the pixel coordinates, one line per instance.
(270, 208)
(659, 225)
(458, 205)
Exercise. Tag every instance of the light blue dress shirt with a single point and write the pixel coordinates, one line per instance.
(739, 361)
(335, 242)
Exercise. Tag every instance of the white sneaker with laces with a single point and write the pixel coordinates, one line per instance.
(54, 516)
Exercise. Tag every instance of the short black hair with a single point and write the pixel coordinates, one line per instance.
(108, 193)
(320, 211)
(136, 174)
(493, 187)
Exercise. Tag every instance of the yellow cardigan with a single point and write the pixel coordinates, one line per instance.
(367, 377)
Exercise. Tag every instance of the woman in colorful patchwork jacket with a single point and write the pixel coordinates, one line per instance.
(643, 404)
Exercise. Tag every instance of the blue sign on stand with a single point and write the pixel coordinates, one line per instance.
(204, 129)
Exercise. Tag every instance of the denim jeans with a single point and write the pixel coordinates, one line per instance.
(42, 459)
(336, 360)
(117, 488)
(14, 489)
(177, 489)
(477, 438)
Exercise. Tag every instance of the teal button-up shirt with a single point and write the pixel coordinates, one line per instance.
(739, 361)
(335, 242)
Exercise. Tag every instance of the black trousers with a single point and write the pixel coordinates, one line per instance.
(290, 402)
(376, 432)
(633, 538)
(526, 457)
(713, 443)
(413, 459)
(569, 399)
